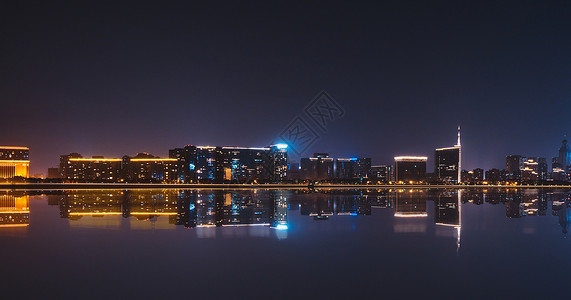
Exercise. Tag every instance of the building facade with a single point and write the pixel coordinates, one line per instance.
(447, 165)
(410, 169)
(14, 162)
(318, 167)
(383, 173)
(209, 164)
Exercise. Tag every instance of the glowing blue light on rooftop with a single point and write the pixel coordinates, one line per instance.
(281, 146)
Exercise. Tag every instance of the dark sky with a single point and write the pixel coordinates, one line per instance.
(113, 79)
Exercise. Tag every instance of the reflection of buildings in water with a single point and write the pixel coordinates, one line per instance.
(514, 205)
(148, 209)
(560, 207)
(473, 196)
(534, 203)
(410, 203)
(564, 214)
(527, 202)
(14, 210)
(329, 204)
(317, 204)
(448, 211)
(278, 217)
(137, 209)
(381, 199)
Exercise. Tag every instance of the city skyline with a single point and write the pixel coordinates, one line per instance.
(430, 158)
(403, 73)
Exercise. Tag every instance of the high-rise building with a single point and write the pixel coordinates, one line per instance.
(447, 163)
(534, 169)
(186, 166)
(564, 155)
(231, 164)
(557, 171)
(209, 164)
(14, 162)
(318, 167)
(352, 168)
(382, 173)
(514, 165)
(143, 168)
(147, 168)
(410, 169)
(76, 168)
(362, 168)
(344, 168)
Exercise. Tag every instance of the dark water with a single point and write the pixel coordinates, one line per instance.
(286, 244)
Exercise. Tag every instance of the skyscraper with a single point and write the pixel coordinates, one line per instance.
(447, 163)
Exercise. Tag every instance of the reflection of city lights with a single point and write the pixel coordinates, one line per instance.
(281, 227)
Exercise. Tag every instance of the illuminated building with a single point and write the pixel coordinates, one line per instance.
(318, 167)
(362, 168)
(208, 166)
(186, 163)
(148, 168)
(344, 168)
(76, 168)
(534, 169)
(352, 168)
(447, 163)
(557, 171)
(410, 169)
(244, 165)
(14, 162)
(382, 173)
(278, 162)
(231, 164)
(141, 168)
(14, 210)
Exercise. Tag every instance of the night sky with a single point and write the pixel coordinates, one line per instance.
(114, 79)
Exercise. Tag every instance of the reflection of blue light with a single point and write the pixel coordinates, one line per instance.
(191, 166)
(191, 207)
(353, 158)
(281, 146)
(281, 227)
(354, 214)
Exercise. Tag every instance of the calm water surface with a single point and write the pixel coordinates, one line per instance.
(286, 244)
